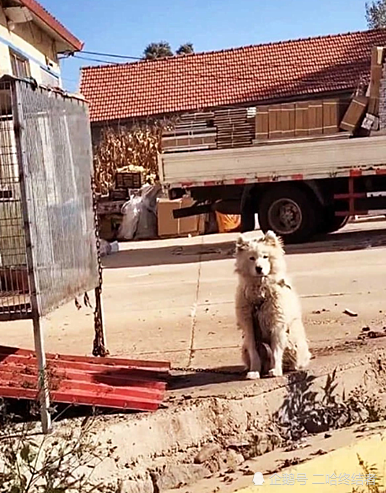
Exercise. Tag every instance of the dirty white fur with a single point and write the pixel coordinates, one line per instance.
(265, 292)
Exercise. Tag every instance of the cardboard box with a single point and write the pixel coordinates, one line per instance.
(354, 114)
(170, 227)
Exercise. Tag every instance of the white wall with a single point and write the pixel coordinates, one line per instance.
(32, 43)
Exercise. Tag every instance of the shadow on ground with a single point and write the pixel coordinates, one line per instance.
(342, 241)
(201, 378)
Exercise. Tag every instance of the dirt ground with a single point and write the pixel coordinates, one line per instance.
(173, 299)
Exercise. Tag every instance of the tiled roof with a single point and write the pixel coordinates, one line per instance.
(53, 23)
(242, 75)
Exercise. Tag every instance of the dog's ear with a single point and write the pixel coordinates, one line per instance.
(271, 239)
(241, 243)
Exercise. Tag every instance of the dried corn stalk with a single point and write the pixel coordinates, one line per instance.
(128, 149)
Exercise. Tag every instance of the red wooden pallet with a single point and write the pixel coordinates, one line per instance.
(104, 382)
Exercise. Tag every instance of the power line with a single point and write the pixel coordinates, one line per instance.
(111, 55)
(97, 60)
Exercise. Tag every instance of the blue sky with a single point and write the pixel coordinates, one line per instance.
(127, 26)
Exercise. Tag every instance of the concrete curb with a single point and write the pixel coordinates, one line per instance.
(166, 443)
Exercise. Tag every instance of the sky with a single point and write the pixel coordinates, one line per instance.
(126, 27)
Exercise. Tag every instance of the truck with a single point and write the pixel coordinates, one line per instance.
(296, 189)
(300, 179)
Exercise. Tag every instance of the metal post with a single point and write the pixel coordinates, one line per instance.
(18, 118)
(44, 395)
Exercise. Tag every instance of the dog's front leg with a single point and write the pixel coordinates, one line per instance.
(251, 356)
(278, 345)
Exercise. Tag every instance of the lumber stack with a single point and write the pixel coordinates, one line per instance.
(192, 132)
(234, 128)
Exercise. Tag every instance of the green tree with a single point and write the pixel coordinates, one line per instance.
(157, 50)
(376, 14)
(185, 49)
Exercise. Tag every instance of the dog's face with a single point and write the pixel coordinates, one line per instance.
(260, 258)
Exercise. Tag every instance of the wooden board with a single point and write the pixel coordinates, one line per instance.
(261, 122)
(330, 116)
(192, 131)
(234, 128)
(287, 120)
(354, 114)
(301, 119)
(375, 79)
(315, 118)
(274, 121)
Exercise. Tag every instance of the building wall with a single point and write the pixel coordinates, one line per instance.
(29, 41)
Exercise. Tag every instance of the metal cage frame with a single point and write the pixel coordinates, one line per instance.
(48, 241)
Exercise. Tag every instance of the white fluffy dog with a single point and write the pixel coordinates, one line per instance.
(268, 309)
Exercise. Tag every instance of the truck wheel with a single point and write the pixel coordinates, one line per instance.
(331, 223)
(290, 212)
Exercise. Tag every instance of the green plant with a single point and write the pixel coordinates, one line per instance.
(63, 463)
(376, 14)
(371, 476)
(185, 49)
(306, 411)
(157, 50)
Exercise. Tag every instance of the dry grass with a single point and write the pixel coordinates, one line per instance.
(128, 149)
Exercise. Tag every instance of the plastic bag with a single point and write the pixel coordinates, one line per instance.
(228, 223)
(147, 223)
(107, 248)
(130, 211)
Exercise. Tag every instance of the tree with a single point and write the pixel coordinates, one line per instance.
(376, 14)
(185, 49)
(157, 50)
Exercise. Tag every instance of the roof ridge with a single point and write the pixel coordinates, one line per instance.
(230, 50)
(49, 19)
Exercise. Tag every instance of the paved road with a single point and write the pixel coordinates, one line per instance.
(173, 299)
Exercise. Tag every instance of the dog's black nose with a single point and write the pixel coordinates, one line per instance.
(259, 270)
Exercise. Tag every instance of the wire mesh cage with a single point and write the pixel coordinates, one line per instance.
(48, 251)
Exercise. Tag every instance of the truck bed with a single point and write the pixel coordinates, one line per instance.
(278, 162)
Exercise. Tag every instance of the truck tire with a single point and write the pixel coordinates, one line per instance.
(331, 223)
(290, 212)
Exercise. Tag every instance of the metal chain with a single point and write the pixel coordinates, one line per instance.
(205, 370)
(99, 348)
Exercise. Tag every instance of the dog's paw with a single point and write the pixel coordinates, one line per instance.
(273, 372)
(253, 375)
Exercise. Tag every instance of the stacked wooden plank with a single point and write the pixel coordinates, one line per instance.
(299, 119)
(234, 128)
(193, 132)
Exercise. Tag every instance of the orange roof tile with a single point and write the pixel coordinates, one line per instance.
(238, 76)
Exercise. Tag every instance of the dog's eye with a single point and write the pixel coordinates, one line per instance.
(252, 258)
(265, 256)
